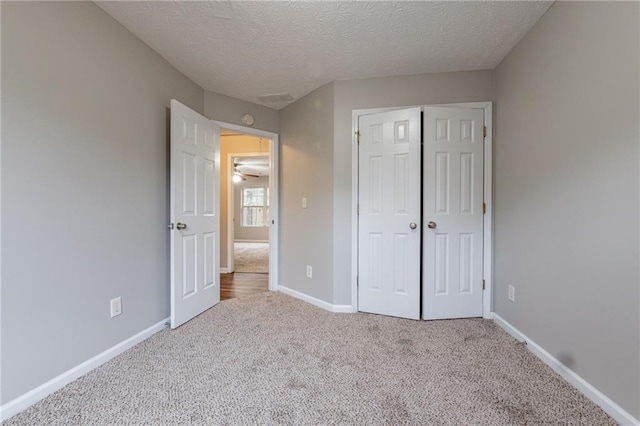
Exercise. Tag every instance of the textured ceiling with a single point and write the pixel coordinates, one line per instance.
(252, 49)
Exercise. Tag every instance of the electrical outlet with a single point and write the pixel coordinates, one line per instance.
(512, 293)
(309, 272)
(116, 306)
(304, 202)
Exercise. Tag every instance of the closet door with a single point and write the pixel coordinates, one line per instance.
(452, 212)
(389, 218)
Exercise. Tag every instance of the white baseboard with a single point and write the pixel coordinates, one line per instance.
(224, 270)
(26, 400)
(250, 241)
(316, 302)
(614, 410)
(343, 309)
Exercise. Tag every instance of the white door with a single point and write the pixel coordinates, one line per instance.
(389, 213)
(195, 237)
(452, 213)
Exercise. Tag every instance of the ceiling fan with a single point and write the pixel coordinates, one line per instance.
(238, 176)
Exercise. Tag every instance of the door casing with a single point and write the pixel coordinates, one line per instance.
(487, 261)
(274, 194)
(231, 206)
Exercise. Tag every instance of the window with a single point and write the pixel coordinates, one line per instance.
(255, 206)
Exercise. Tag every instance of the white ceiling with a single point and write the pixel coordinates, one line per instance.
(247, 49)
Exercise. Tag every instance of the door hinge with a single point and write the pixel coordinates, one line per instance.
(483, 284)
(484, 208)
(357, 281)
(357, 209)
(357, 136)
(484, 131)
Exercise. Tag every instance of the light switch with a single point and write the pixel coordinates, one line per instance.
(304, 202)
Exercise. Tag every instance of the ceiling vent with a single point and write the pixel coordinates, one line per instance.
(281, 97)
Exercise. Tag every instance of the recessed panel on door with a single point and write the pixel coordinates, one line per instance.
(210, 259)
(375, 184)
(466, 263)
(401, 194)
(375, 265)
(401, 131)
(189, 265)
(442, 129)
(190, 130)
(210, 192)
(441, 270)
(401, 247)
(209, 139)
(466, 183)
(189, 182)
(467, 131)
(441, 182)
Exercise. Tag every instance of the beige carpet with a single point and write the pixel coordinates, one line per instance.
(271, 359)
(251, 257)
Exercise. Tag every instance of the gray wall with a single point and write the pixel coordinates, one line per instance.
(84, 186)
(377, 93)
(230, 110)
(316, 136)
(306, 235)
(248, 232)
(567, 195)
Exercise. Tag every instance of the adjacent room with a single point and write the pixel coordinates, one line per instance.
(369, 212)
(245, 195)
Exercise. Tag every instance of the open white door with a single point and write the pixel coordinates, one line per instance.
(195, 219)
(453, 213)
(389, 213)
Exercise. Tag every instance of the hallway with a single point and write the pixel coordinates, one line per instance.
(242, 284)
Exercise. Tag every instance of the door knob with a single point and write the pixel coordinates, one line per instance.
(432, 225)
(181, 226)
(413, 225)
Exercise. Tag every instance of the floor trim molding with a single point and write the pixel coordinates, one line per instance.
(26, 400)
(316, 302)
(614, 410)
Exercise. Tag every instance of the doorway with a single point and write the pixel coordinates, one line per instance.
(451, 276)
(194, 210)
(246, 213)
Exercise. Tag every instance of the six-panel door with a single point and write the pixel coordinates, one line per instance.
(195, 268)
(389, 217)
(453, 203)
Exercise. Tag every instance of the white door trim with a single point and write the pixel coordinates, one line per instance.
(231, 205)
(487, 299)
(274, 195)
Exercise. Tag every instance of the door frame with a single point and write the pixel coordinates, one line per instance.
(487, 259)
(231, 205)
(274, 195)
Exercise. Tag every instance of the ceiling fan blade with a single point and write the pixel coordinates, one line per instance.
(250, 175)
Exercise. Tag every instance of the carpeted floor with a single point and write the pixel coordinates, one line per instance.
(251, 257)
(272, 359)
